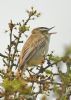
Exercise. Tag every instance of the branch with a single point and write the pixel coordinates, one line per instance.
(6, 63)
(27, 20)
(10, 47)
(43, 69)
(4, 56)
(11, 26)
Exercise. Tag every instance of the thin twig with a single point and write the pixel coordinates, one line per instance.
(10, 48)
(4, 56)
(43, 69)
(27, 20)
(6, 63)
(16, 48)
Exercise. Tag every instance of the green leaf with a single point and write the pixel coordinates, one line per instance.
(64, 98)
(7, 85)
(68, 50)
(55, 58)
(48, 72)
(16, 84)
(23, 28)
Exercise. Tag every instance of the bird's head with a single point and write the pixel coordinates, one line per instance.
(44, 31)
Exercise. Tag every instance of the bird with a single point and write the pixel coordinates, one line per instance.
(36, 48)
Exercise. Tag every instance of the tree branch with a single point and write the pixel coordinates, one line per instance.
(4, 56)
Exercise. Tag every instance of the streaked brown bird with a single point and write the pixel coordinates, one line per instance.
(35, 48)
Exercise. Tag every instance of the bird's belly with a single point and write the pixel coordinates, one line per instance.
(38, 58)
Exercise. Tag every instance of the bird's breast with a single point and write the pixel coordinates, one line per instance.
(39, 57)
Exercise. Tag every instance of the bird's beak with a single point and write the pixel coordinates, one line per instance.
(50, 28)
(53, 33)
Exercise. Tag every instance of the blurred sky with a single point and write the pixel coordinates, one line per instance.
(53, 13)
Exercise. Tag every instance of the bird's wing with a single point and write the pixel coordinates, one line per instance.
(34, 43)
